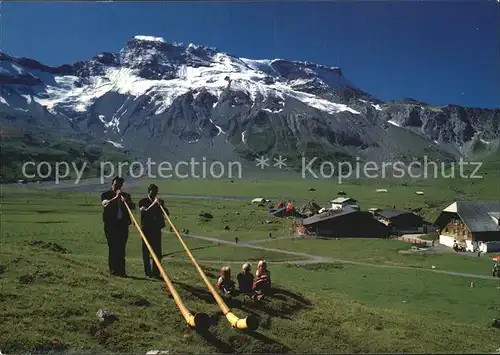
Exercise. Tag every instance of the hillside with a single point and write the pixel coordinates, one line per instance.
(53, 281)
(28, 144)
(174, 101)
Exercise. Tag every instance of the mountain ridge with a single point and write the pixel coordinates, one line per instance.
(169, 99)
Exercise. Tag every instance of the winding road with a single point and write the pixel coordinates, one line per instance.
(316, 259)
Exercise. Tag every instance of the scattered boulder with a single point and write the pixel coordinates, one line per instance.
(205, 216)
(2, 269)
(495, 323)
(105, 317)
(226, 228)
(312, 189)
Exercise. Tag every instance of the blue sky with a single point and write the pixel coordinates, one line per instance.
(439, 52)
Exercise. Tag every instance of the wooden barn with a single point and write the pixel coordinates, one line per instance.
(401, 222)
(475, 223)
(346, 223)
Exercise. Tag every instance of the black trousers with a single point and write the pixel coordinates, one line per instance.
(153, 235)
(117, 237)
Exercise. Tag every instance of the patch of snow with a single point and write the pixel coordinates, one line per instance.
(220, 129)
(101, 118)
(28, 98)
(196, 140)
(80, 107)
(116, 145)
(3, 101)
(394, 123)
(377, 107)
(115, 120)
(269, 110)
(243, 137)
(22, 109)
(262, 66)
(436, 142)
(150, 38)
(246, 75)
(321, 104)
(485, 142)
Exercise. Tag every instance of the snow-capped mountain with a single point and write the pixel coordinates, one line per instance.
(168, 100)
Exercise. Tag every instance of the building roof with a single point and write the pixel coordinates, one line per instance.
(392, 213)
(328, 215)
(342, 200)
(477, 215)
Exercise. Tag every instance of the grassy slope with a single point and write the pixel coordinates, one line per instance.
(401, 192)
(24, 145)
(337, 308)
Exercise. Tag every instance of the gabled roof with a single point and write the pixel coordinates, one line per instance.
(342, 200)
(392, 213)
(328, 215)
(477, 214)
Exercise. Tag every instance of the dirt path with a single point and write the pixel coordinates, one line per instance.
(316, 259)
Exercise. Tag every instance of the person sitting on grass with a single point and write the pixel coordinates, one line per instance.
(224, 283)
(245, 279)
(262, 284)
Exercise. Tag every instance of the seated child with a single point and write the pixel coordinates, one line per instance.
(245, 279)
(262, 284)
(224, 283)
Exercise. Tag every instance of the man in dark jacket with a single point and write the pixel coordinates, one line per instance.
(152, 222)
(116, 222)
(245, 279)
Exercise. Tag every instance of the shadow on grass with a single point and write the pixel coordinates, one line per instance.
(202, 294)
(241, 341)
(280, 304)
(280, 293)
(216, 342)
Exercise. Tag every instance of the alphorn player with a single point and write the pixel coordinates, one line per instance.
(152, 222)
(116, 223)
